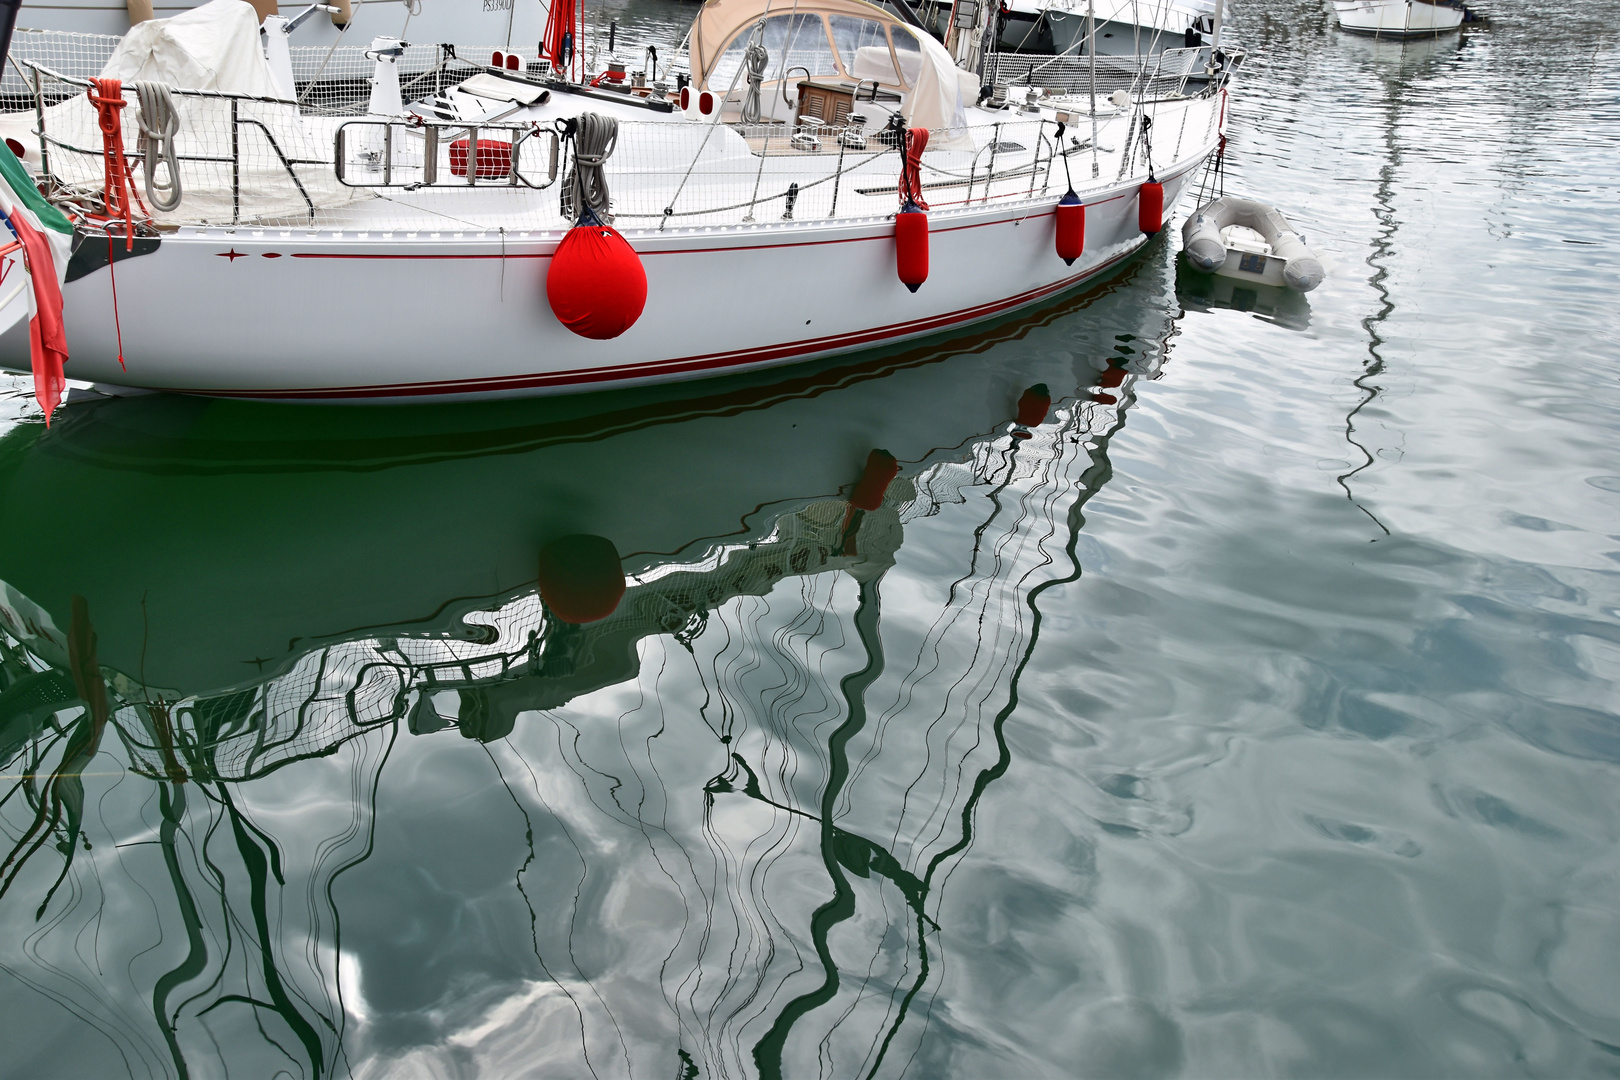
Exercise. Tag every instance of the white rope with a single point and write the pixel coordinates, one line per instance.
(159, 123)
(755, 57)
(585, 186)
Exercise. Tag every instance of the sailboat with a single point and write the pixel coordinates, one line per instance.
(828, 181)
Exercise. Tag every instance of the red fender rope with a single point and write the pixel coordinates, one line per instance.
(911, 169)
(118, 189)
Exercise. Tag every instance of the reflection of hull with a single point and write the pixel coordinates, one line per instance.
(1273, 303)
(388, 496)
(984, 261)
(1398, 18)
(743, 755)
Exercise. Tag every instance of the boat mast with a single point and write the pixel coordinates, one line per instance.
(1091, 36)
(1215, 33)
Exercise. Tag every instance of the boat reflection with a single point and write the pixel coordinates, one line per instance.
(1275, 304)
(737, 798)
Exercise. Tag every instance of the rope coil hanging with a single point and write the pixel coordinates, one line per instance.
(159, 124)
(596, 285)
(911, 196)
(585, 188)
(755, 57)
(118, 190)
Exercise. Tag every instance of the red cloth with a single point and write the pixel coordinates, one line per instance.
(47, 338)
(596, 284)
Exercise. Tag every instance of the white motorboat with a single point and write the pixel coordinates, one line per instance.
(1128, 27)
(1400, 18)
(414, 253)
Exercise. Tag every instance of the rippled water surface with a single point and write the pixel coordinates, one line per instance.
(1255, 716)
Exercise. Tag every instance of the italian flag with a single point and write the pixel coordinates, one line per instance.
(47, 240)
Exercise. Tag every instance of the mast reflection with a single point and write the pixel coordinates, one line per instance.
(735, 779)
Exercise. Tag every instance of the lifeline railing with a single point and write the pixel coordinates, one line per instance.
(229, 152)
(378, 160)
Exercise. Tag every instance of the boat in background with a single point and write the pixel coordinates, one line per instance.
(1401, 18)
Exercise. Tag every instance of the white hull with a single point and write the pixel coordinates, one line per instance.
(328, 317)
(1397, 18)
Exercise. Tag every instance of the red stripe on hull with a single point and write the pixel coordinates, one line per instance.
(682, 365)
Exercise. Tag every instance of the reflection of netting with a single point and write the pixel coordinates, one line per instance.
(330, 696)
(254, 161)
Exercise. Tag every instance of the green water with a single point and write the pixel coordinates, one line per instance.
(1255, 716)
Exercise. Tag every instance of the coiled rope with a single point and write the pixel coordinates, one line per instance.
(755, 57)
(585, 187)
(117, 193)
(159, 124)
(910, 186)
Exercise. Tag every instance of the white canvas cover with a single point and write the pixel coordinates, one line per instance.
(935, 101)
(212, 47)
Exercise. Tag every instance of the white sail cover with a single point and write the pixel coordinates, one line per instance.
(935, 101)
(283, 169)
(212, 47)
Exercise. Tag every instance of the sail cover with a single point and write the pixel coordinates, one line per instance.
(212, 47)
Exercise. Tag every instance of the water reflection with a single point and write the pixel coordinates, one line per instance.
(705, 834)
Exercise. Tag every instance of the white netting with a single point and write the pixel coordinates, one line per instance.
(241, 159)
(255, 161)
(331, 81)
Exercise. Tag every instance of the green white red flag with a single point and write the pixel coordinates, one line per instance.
(47, 241)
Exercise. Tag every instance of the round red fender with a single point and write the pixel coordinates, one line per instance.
(881, 469)
(911, 247)
(1033, 406)
(1071, 228)
(596, 283)
(581, 578)
(1150, 207)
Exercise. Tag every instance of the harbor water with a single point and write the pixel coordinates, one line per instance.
(1248, 710)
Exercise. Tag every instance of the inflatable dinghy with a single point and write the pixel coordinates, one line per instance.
(1210, 244)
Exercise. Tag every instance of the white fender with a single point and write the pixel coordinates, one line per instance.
(1201, 239)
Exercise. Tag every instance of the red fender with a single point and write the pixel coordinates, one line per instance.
(1150, 207)
(1071, 228)
(596, 283)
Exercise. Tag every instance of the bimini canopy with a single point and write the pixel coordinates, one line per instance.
(842, 40)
